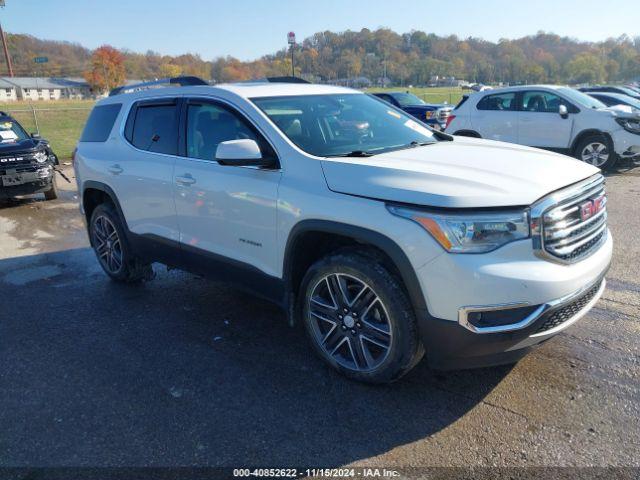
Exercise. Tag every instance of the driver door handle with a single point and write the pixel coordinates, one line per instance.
(115, 169)
(185, 180)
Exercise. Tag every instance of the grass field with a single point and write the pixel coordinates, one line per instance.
(60, 122)
(450, 95)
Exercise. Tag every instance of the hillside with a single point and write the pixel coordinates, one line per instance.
(410, 58)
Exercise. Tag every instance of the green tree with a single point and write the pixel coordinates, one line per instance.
(586, 68)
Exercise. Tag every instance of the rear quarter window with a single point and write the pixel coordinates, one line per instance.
(498, 102)
(461, 102)
(100, 123)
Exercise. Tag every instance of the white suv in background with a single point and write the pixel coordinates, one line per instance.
(556, 118)
(383, 238)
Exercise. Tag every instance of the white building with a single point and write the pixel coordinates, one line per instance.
(44, 88)
(8, 91)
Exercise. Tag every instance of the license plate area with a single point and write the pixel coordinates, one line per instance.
(12, 179)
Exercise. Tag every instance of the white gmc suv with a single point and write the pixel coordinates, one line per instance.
(556, 118)
(386, 239)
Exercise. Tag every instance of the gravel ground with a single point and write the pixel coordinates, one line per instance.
(185, 372)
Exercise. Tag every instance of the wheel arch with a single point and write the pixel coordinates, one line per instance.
(94, 193)
(310, 240)
(586, 133)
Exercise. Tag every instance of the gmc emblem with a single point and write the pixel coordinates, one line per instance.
(591, 207)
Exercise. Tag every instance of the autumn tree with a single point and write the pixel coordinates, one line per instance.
(107, 69)
(170, 70)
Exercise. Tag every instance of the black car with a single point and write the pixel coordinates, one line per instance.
(432, 114)
(612, 89)
(26, 162)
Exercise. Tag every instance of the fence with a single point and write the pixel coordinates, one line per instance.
(60, 124)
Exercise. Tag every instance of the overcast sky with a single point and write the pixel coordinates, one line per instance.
(248, 29)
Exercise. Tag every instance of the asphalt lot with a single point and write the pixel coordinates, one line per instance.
(182, 371)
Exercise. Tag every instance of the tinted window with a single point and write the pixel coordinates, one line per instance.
(100, 123)
(542, 102)
(498, 101)
(208, 125)
(407, 99)
(608, 101)
(462, 101)
(155, 128)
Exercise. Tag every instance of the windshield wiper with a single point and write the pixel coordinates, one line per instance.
(355, 153)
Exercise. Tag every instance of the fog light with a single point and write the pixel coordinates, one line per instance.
(496, 318)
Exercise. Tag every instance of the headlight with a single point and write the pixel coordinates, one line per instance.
(41, 156)
(470, 232)
(629, 124)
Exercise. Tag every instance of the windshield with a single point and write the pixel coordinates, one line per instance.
(343, 124)
(408, 99)
(11, 132)
(581, 98)
(624, 100)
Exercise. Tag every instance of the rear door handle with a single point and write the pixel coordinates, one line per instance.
(185, 180)
(115, 169)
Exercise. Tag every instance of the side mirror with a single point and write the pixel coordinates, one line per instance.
(36, 136)
(562, 110)
(241, 153)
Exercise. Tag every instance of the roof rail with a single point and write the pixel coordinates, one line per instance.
(286, 79)
(182, 81)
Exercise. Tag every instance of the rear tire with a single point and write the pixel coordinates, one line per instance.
(52, 193)
(359, 318)
(596, 150)
(115, 255)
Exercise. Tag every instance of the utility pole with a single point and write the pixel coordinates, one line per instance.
(4, 45)
(291, 40)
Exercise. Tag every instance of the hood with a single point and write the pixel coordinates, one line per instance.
(463, 173)
(23, 146)
(622, 111)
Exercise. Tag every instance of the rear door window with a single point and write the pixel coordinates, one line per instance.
(499, 102)
(155, 127)
(100, 123)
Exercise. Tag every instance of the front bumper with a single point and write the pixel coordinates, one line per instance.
(512, 276)
(37, 181)
(626, 144)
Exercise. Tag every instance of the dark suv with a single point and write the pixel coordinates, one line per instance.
(26, 162)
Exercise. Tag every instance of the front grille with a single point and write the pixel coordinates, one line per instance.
(567, 312)
(19, 162)
(577, 226)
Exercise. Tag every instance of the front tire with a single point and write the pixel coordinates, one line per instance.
(596, 150)
(52, 193)
(359, 318)
(109, 242)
